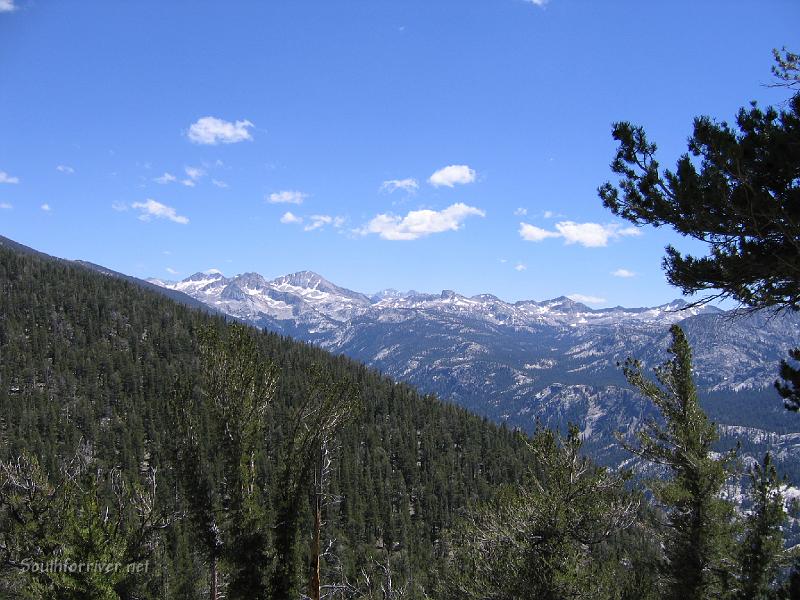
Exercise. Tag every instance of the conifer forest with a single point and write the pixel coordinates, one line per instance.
(157, 444)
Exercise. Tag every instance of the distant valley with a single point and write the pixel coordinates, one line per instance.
(551, 361)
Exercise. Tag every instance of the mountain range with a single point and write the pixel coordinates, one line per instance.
(92, 370)
(528, 362)
(522, 363)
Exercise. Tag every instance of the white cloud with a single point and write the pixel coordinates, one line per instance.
(408, 185)
(452, 175)
(7, 6)
(420, 223)
(172, 271)
(586, 299)
(194, 173)
(320, 221)
(289, 217)
(589, 235)
(548, 214)
(287, 197)
(313, 222)
(539, 3)
(46, 207)
(165, 178)
(212, 131)
(623, 273)
(219, 184)
(520, 212)
(119, 206)
(5, 206)
(150, 209)
(520, 267)
(317, 222)
(592, 235)
(65, 169)
(532, 233)
(6, 178)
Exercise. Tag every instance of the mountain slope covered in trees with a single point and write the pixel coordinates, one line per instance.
(553, 361)
(90, 364)
(207, 459)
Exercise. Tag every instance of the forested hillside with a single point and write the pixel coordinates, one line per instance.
(90, 364)
(151, 450)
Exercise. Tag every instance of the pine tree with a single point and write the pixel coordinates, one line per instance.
(761, 553)
(226, 501)
(329, 403)
(84, 355)
(789, 388)
(83, 533)
(540, 541)
(699, 533)
(737, 191)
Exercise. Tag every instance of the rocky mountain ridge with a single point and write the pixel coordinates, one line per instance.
(521, 362)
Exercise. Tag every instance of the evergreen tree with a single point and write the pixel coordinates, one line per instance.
(541, 541)
(84, 533)
(789, 388)
(236, 388)
(88, 356)
(198, 480)
(761, 553)
(791, 589)
(738, 191)
(329, 403)
(786, 69)
(699, 533)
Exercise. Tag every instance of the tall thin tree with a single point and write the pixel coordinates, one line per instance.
(699, 522)
(226, 502)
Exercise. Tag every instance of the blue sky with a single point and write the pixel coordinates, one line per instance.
(413, 144)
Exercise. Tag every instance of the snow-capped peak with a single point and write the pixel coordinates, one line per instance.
(303, 279)
(307, 295)
(210, 275)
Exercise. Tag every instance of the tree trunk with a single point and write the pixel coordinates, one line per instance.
(314, 591)
(213, 594)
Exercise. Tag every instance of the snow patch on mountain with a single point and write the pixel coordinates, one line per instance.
(555, 361)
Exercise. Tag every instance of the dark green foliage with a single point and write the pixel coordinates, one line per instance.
(791, 589)
(86, 356)
(247, 464)
(786, 68)
(789, 389)
(543, 540)
(305, 471)
(700, 530)
(226, 500)
(80, 534)
(737, 190)
(761, 553)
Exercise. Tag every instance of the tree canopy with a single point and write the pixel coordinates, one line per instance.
(142, 385)
(699, 532)
(737, 189)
